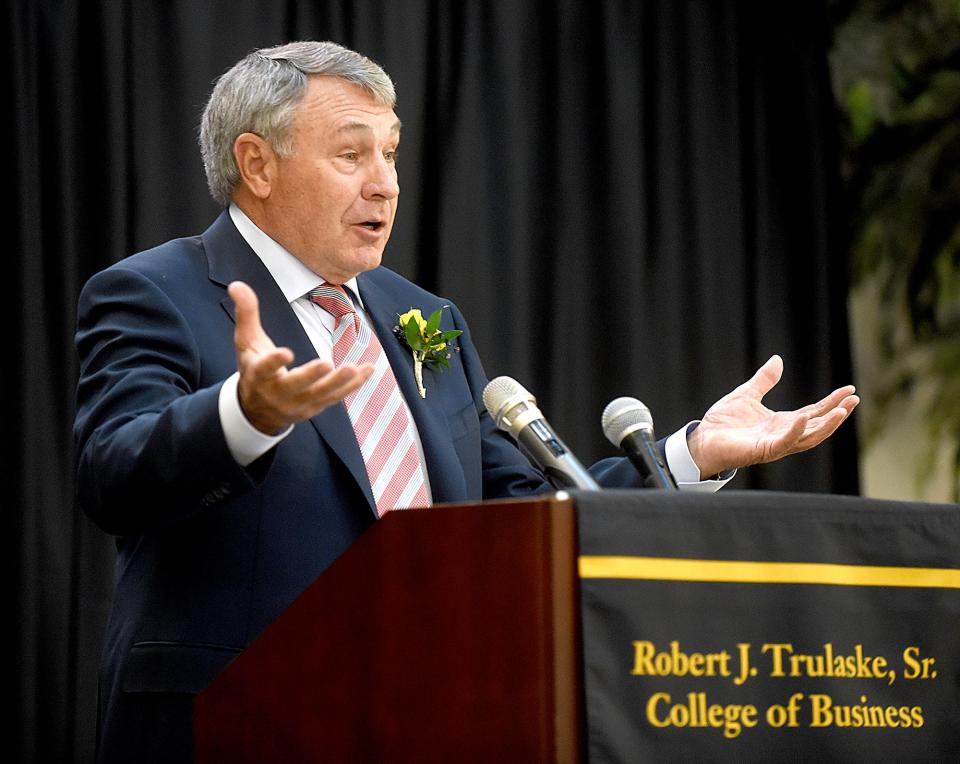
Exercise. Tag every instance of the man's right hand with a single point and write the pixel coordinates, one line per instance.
(273, 396)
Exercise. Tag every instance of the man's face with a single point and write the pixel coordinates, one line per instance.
(333, 201)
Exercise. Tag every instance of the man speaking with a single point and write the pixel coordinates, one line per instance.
(245, 409)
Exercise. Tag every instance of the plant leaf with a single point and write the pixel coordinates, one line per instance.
(434, 321)
(412, 332)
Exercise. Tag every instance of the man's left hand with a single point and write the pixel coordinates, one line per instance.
(738, 430)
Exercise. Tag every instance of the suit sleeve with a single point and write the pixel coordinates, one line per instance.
(149, 444)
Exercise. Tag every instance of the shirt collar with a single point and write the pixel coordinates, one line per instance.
(293, 277)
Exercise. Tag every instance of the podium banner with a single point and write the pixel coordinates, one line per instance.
(755, 626)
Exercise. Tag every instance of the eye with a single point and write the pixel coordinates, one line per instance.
(350, 156)
(391, 156)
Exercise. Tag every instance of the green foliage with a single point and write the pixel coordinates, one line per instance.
(414, 339)
(428, 343)
(896, 77)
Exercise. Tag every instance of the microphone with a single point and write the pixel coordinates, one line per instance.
(515, 411)
(627, 423)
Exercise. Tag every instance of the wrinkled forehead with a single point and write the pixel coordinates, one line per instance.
(334, 100)
(362, 128)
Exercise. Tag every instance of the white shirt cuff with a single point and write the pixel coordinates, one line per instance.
(685, 470)
(246, 442)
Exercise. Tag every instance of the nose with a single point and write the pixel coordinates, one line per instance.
(382, 181)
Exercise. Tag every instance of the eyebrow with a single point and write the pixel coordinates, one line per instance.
(363, 126)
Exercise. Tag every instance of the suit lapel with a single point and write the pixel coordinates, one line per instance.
(447, 482)
(231, 259)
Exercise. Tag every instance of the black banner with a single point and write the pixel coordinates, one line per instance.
(754, 626)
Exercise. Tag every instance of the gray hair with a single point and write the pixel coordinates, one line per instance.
(260, 95)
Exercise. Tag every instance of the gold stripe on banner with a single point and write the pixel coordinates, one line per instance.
(748, 572)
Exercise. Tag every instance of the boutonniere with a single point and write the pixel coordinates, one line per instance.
(427, 343)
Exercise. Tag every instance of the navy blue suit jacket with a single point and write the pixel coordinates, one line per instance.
(210, 552)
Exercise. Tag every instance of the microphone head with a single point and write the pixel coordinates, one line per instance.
(502, 397)
(624, 416)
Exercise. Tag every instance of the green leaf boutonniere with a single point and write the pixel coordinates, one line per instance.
(428, 344)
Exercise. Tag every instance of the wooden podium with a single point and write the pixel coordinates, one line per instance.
(447, 634)
(634, 626)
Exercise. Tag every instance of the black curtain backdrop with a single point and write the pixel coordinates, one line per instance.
(625, 198)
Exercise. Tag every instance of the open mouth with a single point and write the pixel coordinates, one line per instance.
(372, 225)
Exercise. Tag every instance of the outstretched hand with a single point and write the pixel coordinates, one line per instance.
(273, 396)
(738, 430)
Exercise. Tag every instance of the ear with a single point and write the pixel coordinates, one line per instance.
(257, 163)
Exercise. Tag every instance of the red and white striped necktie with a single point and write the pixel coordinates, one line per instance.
(380, 419)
